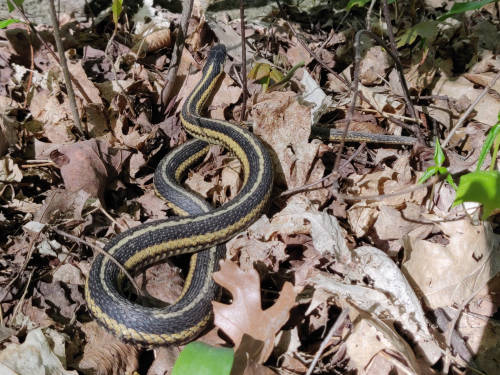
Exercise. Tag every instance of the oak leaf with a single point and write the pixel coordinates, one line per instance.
(245, 314)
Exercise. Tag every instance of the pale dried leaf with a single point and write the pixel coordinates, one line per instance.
(9, 171)
(370, 337)
(153, 205)
(69, 274)
(470, 258)
(76, 69)
(154, 41)
(486, 111)
(54, 112)
(34, 356)
(389, 295)
(373, 66)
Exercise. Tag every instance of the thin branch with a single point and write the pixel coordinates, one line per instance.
(21, 300)
(369, 15)
(49, 50)
(395, 57)
(379, 197)
(354, 98)
(243, 61)
(469, 110)
(115, 73)
(324, 179)
(336, 326)
(103, 253)
(177, 52)
(64, 67)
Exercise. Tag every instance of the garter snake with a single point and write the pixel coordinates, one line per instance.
(200, 230)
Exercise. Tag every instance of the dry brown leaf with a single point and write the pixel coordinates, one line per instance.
(9, 170)
(88, 165)
(165, 357)
(476, 325)
(393, 224)
(62, 203)
(283, 123)
(76, 69)
(162, 281)
(105, 354)
(250, 247)
(154, 41)
(59, 299)
(245, 314)
(363, 215)
(246, 358)
(8, 125)
(373, 66)
(132, 138)
(96, 120)
(217, 178)
(153, 205)
(460, 88)
(54, 112)
(297, 53)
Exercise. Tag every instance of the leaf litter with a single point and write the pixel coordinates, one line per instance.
(395, 263)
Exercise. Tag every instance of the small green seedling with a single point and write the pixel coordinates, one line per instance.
(438, 168)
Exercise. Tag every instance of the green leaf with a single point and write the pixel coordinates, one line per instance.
(482, 187)
(10, 7)
(488, 142)
(356, 3)
(202, 359)
(458, 8)
(438, 154)
(117, 10)
(259, 71)
(362, 3)
(427, 30)
(276, 75)
(449, 179)
(5, 23)
(431, 171)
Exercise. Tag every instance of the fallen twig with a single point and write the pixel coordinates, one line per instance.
(469, 110)
(338, 323)
(187, 8)
(64, 67)
(102, 252)
(243, 62)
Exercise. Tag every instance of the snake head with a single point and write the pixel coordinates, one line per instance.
(216, 58)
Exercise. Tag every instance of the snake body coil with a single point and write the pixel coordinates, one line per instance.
(200, 230)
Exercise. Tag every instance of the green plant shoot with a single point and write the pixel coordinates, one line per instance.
(5, 23)
(438, 168)
(117, 10)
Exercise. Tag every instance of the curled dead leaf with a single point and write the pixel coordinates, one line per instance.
(105, 354)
